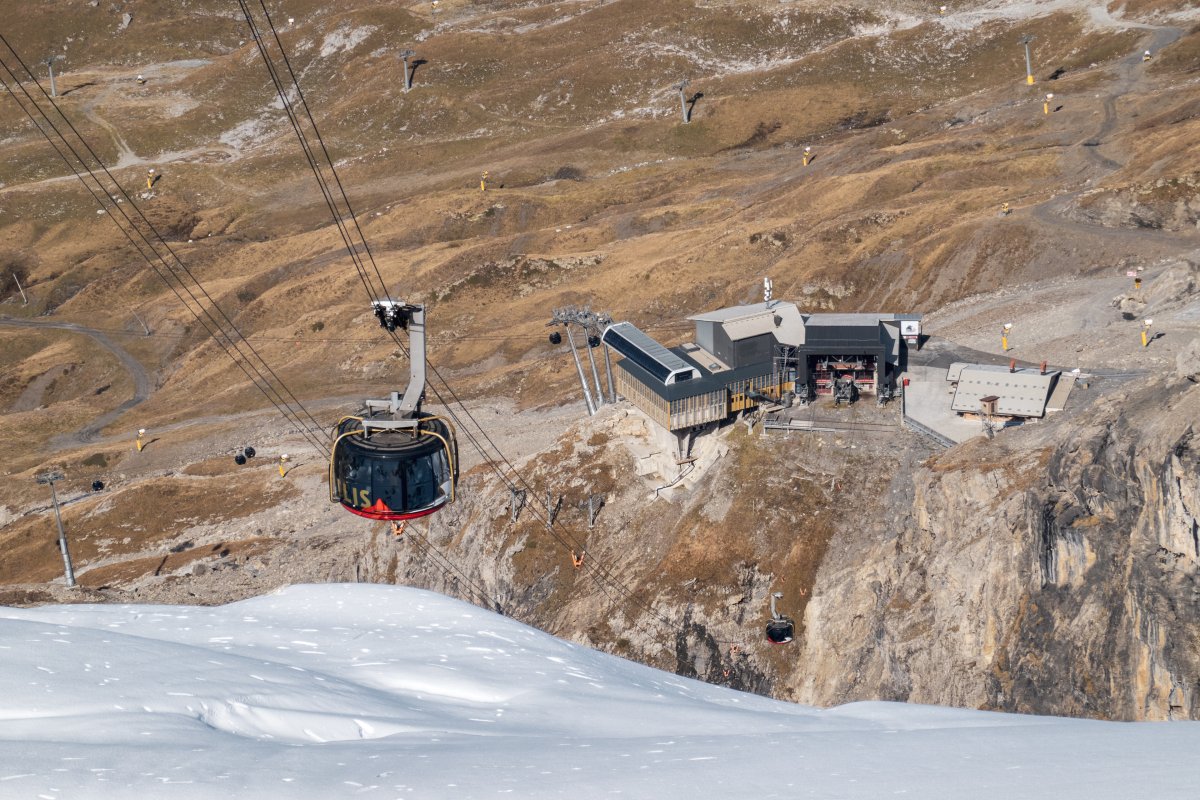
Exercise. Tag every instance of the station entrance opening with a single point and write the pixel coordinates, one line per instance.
(826, 370)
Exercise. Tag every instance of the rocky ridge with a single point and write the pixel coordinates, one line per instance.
(1056, 573)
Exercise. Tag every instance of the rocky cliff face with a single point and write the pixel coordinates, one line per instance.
(1054, 569)
(1050, 571)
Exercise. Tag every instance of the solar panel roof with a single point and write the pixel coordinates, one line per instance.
(665, 366)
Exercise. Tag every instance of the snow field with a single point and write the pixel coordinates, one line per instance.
(382, 691)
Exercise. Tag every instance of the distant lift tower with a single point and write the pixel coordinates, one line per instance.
(408, 70)
(48, 478)
(592, 325)
(681, 87)
(1026, 40)
(50, 64)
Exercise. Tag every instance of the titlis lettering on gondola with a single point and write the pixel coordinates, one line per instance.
(359, 498)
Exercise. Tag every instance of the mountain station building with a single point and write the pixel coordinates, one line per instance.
(745, 355)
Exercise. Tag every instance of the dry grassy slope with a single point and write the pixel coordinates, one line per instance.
(599, 195)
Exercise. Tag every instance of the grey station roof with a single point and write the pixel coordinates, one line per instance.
(855, 319)
(777, 317)
(707, 382)
(657, 361)
(1021, 393)
(789, 325)
(735, 312)
(689, 371)
(955, 370)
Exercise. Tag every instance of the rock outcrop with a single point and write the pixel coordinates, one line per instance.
(1171, 204)
(1054, 570)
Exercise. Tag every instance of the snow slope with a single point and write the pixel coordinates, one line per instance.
(381, 691)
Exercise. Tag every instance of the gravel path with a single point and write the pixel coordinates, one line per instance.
(141, 378)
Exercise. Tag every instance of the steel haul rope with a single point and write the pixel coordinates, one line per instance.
(226, 335)
(599, 574)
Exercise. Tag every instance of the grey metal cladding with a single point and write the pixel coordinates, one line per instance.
(844, 338)
(753, 350)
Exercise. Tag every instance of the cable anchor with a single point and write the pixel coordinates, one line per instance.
(393, 314)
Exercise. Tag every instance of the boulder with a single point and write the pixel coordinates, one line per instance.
(1187, 363)
(1179, 282)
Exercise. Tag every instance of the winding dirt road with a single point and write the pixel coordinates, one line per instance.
(104, 87)
(141, 378)
(1130, 73)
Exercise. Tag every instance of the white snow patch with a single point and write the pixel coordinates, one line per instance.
(247, 133)
(713, 64)
(1097, 14)
(179, 105)
(893, 23)
(345, 38)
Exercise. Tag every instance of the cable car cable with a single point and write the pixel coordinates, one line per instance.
(481, 593)
(279, 401)
(326, 191)
(316, 132)
(597, 568)
(310, 157)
